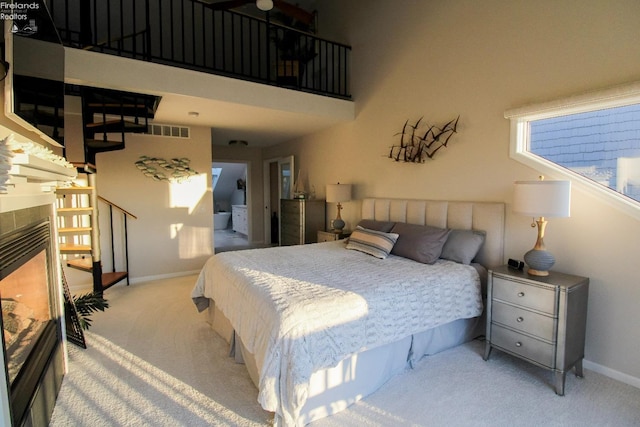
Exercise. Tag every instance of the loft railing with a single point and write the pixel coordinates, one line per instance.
(189, 34)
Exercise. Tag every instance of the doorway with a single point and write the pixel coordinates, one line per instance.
(278, 184)
(230, 186)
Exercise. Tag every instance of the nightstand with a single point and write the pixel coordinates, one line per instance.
(330, 236)
(539, 319)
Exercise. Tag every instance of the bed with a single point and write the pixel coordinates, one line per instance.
(321, 326)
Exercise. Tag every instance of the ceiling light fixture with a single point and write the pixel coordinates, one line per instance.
(193, 114)
(238, 142)
(265, 5)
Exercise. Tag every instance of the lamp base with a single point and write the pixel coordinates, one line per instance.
(337, 225)
(533, 272)
(539, 261)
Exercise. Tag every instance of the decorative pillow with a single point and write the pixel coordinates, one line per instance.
(371, 224)
(372, 242)
(463, 245)
(420, 243)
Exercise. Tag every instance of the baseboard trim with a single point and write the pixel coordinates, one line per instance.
(88, 286)
(612, 373)
(134, 280)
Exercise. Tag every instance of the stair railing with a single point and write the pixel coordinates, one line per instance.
(124, 214)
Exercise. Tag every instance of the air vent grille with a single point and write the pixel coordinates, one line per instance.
(168, 130)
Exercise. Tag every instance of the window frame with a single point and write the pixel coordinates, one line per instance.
(520, 118)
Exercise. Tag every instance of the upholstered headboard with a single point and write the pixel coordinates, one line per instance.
(485, 216)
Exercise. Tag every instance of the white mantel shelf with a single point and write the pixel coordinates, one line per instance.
(32, 182)
(36, 169)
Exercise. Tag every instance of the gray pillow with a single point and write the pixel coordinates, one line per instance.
(420, 243)
(463, 245)
(371, 224)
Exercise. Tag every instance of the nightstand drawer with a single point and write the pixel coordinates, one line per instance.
(523, 320)
(522, 345)
(534, 297)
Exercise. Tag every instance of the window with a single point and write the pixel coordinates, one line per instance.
(592, 138)
(215, 175)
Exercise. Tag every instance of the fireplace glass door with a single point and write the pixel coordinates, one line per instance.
(25, 310)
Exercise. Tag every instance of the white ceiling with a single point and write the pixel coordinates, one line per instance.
(261, 114)
(259, 126)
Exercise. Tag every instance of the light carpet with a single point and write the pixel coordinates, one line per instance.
(153, 361)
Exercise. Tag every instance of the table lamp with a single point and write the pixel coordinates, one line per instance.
(337, 193)
(541, 199)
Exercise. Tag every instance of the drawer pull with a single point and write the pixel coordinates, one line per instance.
(518, 344)
(520, 319)
(520, 294)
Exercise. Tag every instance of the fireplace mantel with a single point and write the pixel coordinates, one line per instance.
(32, 180)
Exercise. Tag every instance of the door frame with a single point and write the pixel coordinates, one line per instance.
(249, 198)
(266, 173)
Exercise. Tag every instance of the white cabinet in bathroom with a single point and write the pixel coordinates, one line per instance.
(239, 219)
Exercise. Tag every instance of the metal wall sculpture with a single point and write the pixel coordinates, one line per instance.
(416, 145)
(177, 170)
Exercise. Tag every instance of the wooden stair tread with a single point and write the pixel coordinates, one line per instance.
(74, 230)
(74, 190)
(110, 279)
(106, 122)
(67, 248)
(84, 264)
(99, 105)
(75, 211)
(115, 126)
(98, 146)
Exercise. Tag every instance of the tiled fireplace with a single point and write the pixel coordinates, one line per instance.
(31, 316)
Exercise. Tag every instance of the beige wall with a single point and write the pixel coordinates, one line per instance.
(174, 230)
(438, 59)
(435, 59)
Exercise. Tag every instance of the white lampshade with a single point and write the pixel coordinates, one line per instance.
(264, 4)
(542, 198)
(337, 193)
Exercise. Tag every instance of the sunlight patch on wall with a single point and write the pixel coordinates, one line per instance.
(194, 242)
(175, 230)
(188, 194)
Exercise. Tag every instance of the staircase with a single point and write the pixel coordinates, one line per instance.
(78, 231)
(79, 235)
(107, 116)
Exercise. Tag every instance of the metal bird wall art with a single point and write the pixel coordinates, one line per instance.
(416, 145)
(175, 170)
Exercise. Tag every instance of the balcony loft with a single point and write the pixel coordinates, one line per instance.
(198, 35)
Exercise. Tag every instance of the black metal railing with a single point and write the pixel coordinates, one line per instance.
(118, 236)
(190, 34)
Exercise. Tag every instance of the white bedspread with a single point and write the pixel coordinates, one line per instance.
(302, 308)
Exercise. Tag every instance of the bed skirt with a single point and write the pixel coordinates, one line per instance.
(333, 389)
